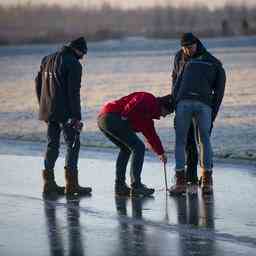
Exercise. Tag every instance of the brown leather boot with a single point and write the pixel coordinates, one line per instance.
(207, 182)
(180, 187)
(72, 186)
(50, 186)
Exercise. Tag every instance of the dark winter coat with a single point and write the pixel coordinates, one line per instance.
(58, 86)
(140, 108)
(200, 77)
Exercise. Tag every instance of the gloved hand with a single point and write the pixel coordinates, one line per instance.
(75, 124)
(163, 158)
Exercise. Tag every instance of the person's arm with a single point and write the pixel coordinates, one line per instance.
(74, 86)
(219, 89)
(38, 81)
(152, 138)
(38, 85)
(176, 75)
(175, 72)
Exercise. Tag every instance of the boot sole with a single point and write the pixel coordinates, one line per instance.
(77, 194)
(53, 192)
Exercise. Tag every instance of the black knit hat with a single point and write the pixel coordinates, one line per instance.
(167, 102)
(79, 44)
(187, 39)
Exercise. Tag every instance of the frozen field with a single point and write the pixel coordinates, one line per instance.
(103, 225)
(116, 68)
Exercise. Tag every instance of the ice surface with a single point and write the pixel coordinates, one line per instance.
(105, 225)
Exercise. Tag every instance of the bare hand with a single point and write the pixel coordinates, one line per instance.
(163, 158)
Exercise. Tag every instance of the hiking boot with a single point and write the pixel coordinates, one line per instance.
(72, 186)
(180, 186)
(141, 190)
(49, 184)
(207, 182)
(121, 189)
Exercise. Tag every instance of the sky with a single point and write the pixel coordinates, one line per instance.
(132, 3)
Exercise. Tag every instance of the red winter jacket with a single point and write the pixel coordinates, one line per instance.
(140, 108)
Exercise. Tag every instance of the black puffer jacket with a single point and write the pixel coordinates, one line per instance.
(58, 86)
(201, 78)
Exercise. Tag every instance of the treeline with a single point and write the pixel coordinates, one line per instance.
(46, 24)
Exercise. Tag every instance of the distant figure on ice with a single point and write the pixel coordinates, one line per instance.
(198, 89)
(119, 120)
(58, 86)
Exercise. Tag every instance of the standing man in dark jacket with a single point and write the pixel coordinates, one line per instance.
(119, 120)
(180, 59)
(198, 90)
(58, 86)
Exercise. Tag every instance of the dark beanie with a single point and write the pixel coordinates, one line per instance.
(79, 44)
(167, 102)
(187, 39)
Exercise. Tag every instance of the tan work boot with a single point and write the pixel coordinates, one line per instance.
(72, 186)
(180, 187)
(49, 184)
(206, 182)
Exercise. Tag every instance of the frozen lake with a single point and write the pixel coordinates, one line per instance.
(105, 225)
(115, 68)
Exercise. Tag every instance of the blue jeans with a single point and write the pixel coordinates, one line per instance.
(122, 135)
(201, 115)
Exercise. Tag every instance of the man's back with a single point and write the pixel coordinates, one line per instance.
(200, 77)
(59, 94)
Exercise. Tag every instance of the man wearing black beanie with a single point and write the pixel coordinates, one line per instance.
(58, 85)
(198, 83)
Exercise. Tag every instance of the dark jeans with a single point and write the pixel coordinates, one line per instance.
(192, 154)
(72, 141)
(121, 134)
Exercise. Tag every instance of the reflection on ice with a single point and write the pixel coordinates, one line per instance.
(75, 239)
(103, 224)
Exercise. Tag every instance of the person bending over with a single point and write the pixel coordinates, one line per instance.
(119, 121)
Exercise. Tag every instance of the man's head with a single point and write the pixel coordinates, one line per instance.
(189, 44)
(79, 46)
(166, 104)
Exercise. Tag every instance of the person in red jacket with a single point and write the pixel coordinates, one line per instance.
(119, 121)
